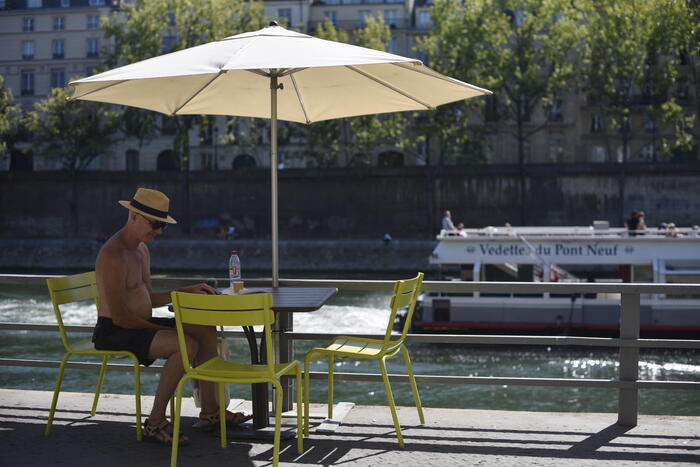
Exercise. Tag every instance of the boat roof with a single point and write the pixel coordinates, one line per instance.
(596, 244)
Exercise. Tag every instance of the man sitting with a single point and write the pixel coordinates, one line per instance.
(125, 319)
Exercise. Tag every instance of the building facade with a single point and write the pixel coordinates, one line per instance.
(46, 43)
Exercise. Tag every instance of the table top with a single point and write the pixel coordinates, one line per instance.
(295, 299)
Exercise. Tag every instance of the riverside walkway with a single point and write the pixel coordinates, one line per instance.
(450, 437)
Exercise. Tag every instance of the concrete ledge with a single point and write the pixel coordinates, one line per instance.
(366, 437)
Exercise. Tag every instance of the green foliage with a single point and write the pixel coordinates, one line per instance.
(631, 58)
(73, 132)
(10, 116)
(148, 28)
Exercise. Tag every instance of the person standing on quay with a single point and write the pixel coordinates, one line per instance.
(125, 319)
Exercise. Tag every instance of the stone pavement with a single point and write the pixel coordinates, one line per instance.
(449, 438)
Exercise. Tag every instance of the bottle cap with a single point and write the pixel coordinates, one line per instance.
(234, 252)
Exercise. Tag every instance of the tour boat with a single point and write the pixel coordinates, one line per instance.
(541, 253)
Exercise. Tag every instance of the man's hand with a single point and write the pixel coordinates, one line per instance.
(200, 288)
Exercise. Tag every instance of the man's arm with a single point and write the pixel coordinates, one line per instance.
(110, 270)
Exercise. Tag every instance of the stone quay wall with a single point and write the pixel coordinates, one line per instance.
(344, 204)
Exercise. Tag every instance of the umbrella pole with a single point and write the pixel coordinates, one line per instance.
(273, 172)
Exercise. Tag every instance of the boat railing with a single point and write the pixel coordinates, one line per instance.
(627, 383)
(567, 231)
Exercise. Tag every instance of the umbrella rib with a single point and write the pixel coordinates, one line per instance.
(72, 98)
(393, 88)
(221, 72)
(299, 98)
(423, 70)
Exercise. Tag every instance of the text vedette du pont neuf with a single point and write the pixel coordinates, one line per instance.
(557, 249)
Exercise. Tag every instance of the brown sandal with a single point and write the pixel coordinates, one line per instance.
(161, 434)
(209, 422)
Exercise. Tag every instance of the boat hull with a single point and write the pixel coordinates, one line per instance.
(440, 313)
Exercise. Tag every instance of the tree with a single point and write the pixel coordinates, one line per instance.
(368, 131)
(520, 49)
(75, 133)
(630, 67)
(10, 118)
(148, 28)
(463, 43)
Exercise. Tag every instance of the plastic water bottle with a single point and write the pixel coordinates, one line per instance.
(234, 268)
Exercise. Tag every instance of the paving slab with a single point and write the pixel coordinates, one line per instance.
(366, 437)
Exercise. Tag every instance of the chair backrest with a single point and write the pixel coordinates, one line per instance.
(223, 310)
(70, 289)
(405, 295)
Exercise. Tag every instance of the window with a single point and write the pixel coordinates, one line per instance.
(65, 3)
(625, 88)
(392, 46)
(96, 2)
(58, 48)
(207, 161)
(27, 77)
(286, 14)
(332, 16)
(362, 15)
(556, 147)
(425, 20)
(626, 124)
(169, 43)
(596, 124)
(33, 3)
(27, 24)
(58, 78)
(650, 124)
(649, 152)
(59, 23)
(620, 153)
(93, 47)
(598, 154)
(390, 17)
(132, 160)
(93, 21)
(27, 50)
(556, 112)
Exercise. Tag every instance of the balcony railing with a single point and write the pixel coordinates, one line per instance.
(354, 24)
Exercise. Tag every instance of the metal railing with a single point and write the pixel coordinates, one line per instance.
(627, 383)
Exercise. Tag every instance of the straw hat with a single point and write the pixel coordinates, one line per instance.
(151, 204)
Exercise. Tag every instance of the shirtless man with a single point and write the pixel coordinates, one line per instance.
(125, 321)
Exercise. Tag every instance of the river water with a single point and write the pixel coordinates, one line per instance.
(367, 312)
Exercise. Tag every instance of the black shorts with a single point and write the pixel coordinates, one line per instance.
(109, 336)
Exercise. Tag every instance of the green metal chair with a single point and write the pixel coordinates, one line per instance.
(77, 288)
(405, 295)
(233, 310)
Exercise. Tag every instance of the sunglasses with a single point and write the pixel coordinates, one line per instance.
(155, 225)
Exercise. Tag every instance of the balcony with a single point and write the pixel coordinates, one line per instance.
(356, 24)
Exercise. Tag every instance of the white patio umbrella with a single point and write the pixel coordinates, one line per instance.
(277, 74)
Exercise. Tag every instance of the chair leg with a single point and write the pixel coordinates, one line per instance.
(306, 396)
(56, 392)
(98, 389)
(222, 414)
(278, 423)
(330, 385)
(414, 386)
(390, 399)
(137, 395)
(176, 423)
(300, 433)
